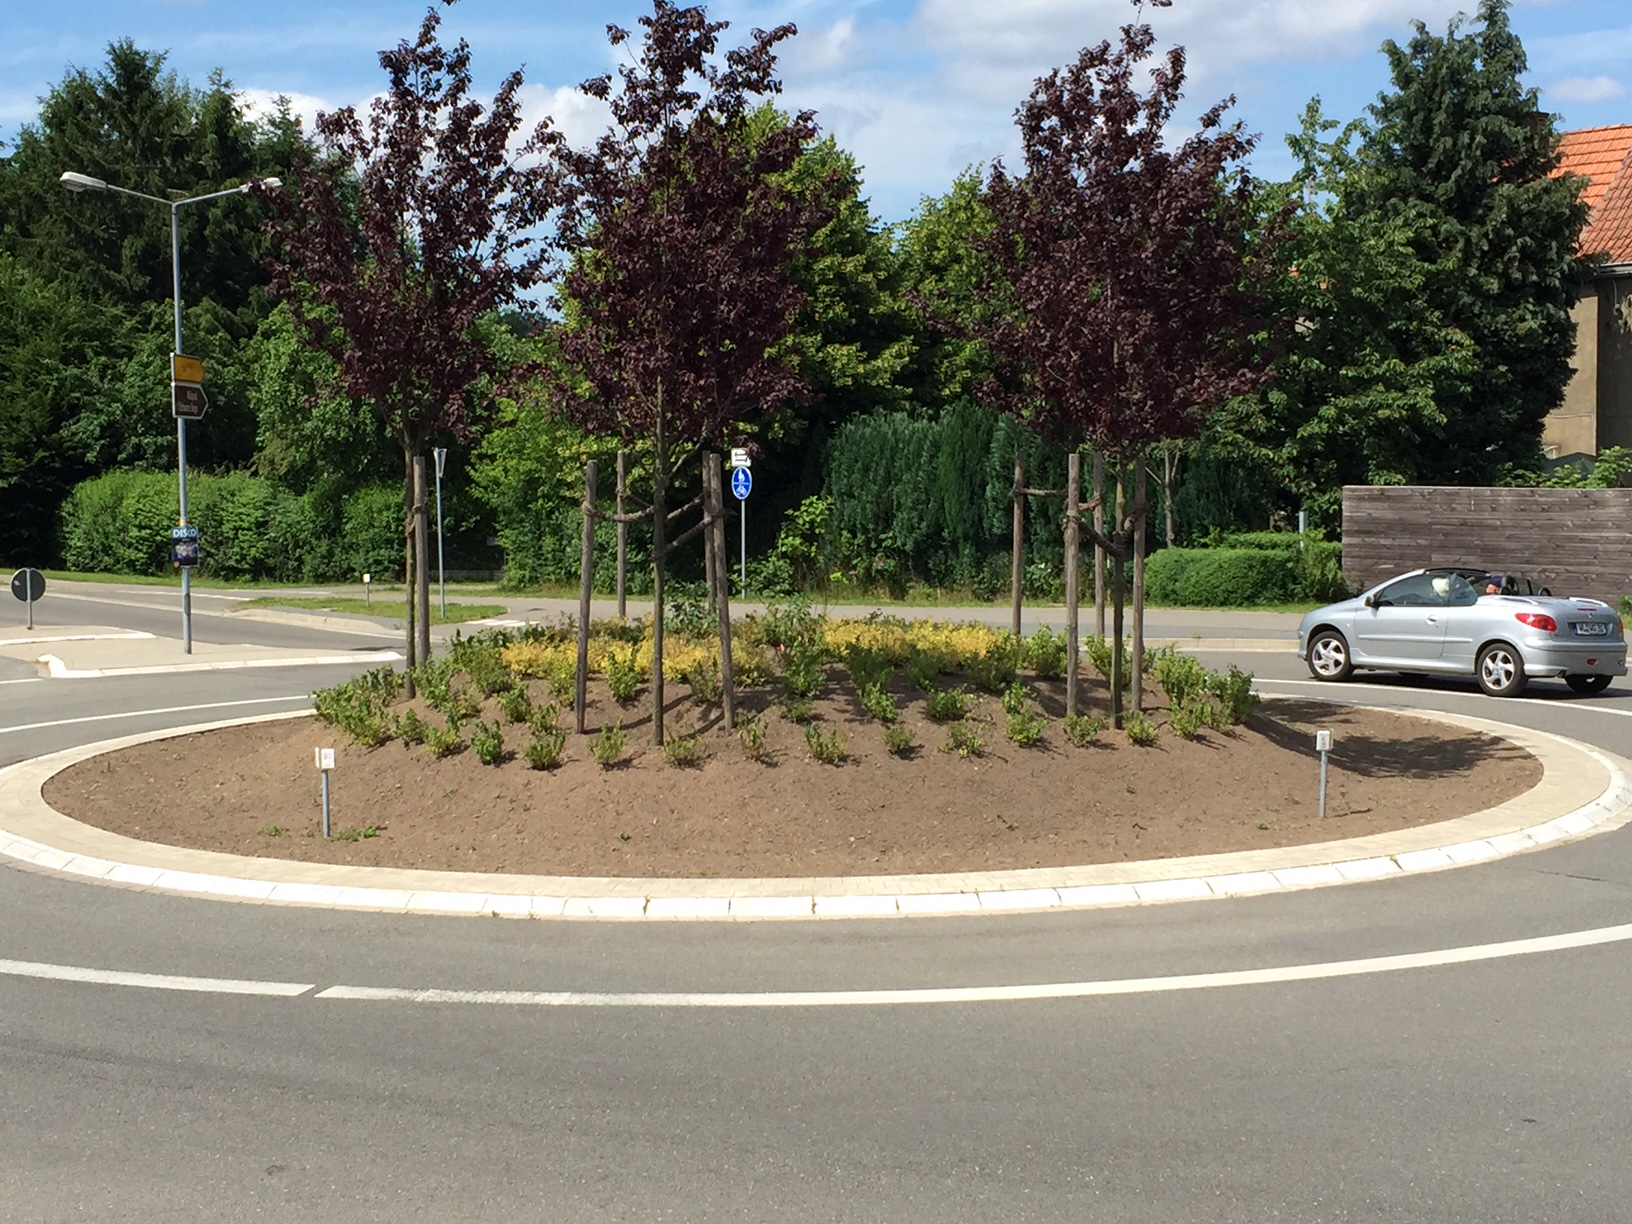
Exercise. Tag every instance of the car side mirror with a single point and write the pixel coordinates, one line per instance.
(1370, 601)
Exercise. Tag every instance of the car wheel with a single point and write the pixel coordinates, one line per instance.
(1587, 684)
(1501, 670)
(1329, 656)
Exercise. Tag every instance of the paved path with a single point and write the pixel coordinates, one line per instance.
(1440, 1047)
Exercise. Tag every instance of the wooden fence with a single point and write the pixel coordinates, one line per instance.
(1575, 541)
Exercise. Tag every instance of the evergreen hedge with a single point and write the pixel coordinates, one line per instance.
(1249, 568)
(249, 528)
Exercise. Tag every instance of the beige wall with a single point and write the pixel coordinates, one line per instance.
(1572, 427)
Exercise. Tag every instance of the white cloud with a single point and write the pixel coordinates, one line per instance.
(263, 103)
(1585, 89)
(576, 115)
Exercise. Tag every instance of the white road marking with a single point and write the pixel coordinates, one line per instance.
(212, 705)
(1555, 704)
(26, 680)
(152, 981)
(843, 998)
(76, 637)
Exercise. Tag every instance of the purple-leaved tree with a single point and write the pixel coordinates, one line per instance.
(684, 234)
(418, 219)
(1127, 278)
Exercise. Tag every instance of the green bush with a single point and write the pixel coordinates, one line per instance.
(1250, 568)
(487, 742)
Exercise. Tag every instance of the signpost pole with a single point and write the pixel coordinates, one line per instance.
(181, 435)
(742, 511)
(31, 608)
(441, 453)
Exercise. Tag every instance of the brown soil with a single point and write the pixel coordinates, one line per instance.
(253, 790)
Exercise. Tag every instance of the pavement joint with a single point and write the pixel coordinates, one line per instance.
(1582, 791)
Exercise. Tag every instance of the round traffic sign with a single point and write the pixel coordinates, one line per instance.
(28, 584)
(742, 481)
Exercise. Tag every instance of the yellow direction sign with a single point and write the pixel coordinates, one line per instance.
(186, 369)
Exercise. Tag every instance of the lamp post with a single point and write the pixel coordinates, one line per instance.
(84, 182)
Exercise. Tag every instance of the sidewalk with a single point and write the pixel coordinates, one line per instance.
(1582, 791)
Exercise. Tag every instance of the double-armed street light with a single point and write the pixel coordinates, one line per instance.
(84, 182)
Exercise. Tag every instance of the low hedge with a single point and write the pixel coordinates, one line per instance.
(1261, 569)
(249, 528)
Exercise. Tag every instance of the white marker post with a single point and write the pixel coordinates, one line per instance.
(325, 762)
(1323, 745)
(368, 580)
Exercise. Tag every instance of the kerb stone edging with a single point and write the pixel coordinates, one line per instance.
(1582, 791)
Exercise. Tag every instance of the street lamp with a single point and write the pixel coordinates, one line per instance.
(441, 454)
(84, 182)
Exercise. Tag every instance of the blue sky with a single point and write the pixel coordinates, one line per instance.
(916, 89)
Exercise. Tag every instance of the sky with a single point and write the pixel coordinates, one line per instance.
(917, 90)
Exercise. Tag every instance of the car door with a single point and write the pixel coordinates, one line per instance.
(1465, 619)
(1405, 623)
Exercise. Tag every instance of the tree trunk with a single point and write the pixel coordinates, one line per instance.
(408, 561)
(714, 539)
(623, 535)
(1099, 551)
(660, 510)
(1136, 648)
(1017, 570)
(586, 586)
(1073, 556)
(422, 565)
(1120, 538)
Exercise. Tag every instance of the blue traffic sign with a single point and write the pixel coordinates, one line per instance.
(742, 482)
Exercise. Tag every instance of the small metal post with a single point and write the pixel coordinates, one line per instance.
(441, 454)
(1323, 745)
(325, 762)
(30, 601)
(368, 590)
(181, 434)
(742, 511)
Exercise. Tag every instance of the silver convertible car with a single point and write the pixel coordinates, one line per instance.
(1460, 622)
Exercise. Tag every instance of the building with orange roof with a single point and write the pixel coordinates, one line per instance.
(1597, 407)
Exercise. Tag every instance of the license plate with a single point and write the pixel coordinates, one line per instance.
(1592, 628)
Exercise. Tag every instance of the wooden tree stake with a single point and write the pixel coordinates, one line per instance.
(623, 536)
(586, 586)
(1073, 554)
(1017, 572)
(1118, 578)
(1099, 551)
(1136, 648)
(421, 593)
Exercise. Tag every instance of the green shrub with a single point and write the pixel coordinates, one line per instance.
(996, 668)
(1045, 653)
(1185, 720)
(867, 668)
(544, 718)
(607, 747)
(948, 705)
(1234, 692)
(898, 738)
(357, 708)
(963, 737)
(444, 741)
(751, 735)
(1181, 676)
(411, 728)
(1015, 698)
(878, 702)
(1139, 728)
(1082, 729)
(802, 669)
(829, 749)
(924, 670)
(683, 751)
(516, 704)
(433, 680)
(544, 752)
(1025, 728)
(487, 742)
(623, 675)
(706, 684)
(1246, 569)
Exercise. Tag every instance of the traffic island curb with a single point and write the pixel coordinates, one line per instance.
(1582, 791)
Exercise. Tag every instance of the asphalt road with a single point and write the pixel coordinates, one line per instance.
(1491, 1091)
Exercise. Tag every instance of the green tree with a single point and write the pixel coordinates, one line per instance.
(1460, 161)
